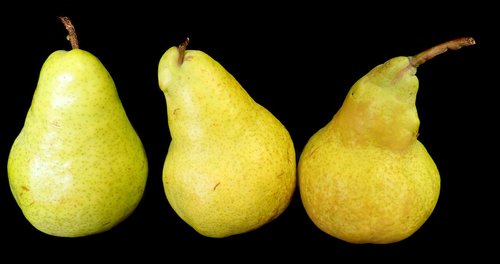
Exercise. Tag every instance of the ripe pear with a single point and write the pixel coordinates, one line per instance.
(231, 164)
(77, 167)
(365, 177)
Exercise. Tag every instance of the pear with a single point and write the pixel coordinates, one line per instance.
(365, 177)
(231, 164)
(77, 167)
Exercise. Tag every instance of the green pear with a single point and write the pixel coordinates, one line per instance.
(231, 164)
(365, 177)
(77, 167)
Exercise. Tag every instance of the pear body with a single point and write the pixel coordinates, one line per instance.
(364, 177)
(77, 167)
(231, 164)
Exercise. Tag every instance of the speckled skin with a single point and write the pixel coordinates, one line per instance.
(364, 177)
(77, 167)
(231, 165)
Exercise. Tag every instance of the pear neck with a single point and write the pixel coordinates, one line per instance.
(374, 115)
(199, 114)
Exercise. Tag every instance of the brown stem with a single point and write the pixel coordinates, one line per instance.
(182, 50)
(428, 54)
(71, 30)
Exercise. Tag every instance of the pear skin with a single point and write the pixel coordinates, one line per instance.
(231, 164)
(365, 177)
(77, 167)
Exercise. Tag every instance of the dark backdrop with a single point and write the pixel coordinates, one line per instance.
(298, 61)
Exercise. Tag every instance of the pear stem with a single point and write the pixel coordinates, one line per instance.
(428, 54)
(71, 31)
(182, 50)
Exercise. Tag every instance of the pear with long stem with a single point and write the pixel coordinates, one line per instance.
(365, 177)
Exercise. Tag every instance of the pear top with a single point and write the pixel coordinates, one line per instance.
(380, 107)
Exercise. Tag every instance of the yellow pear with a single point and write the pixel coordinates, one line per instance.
(77, 167)
(231, 164)
(364, 177)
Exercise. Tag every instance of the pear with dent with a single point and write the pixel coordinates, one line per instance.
(365, 177)
(77, 167)
(231, 164)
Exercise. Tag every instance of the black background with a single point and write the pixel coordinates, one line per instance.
(298, 61)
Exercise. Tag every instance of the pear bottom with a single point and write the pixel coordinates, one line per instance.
(220, 197)
(77, 195)
(367, 194)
